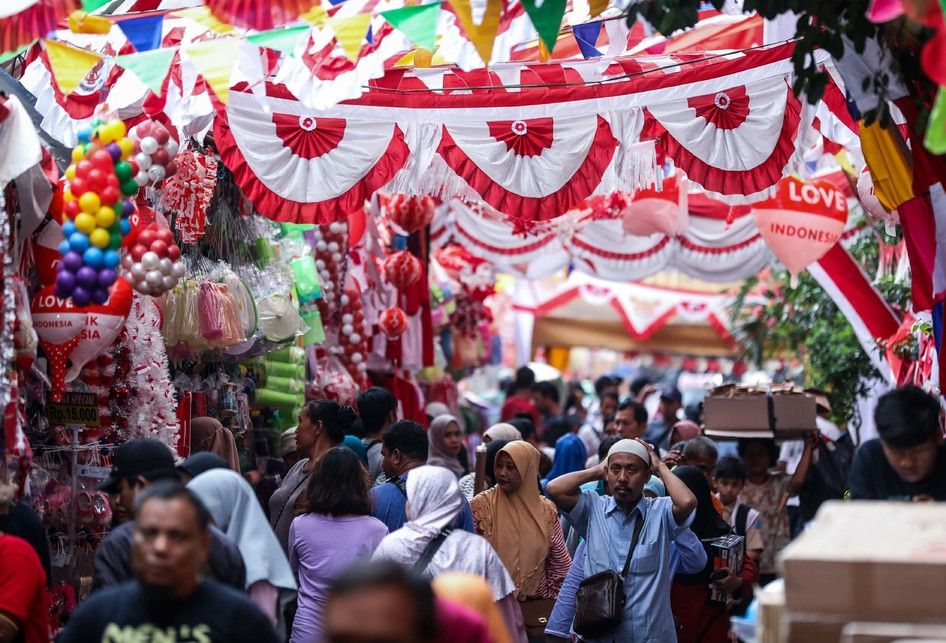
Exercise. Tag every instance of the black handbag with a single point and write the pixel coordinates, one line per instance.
(599, 602)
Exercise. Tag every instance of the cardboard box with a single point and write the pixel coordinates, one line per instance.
(747, 416)
(870, 561)
(890, 632)
(811, 628)
(726, 552)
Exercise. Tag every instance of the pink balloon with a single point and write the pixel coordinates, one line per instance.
(865, 192)
(103, 324)
(161, 157)
(56, 320)
(802, 222)
(46, 252)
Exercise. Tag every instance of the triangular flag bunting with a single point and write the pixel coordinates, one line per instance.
(91, 5)
(484, 34)
(143, 33)
(586, 36)
(282, 40)
(214, 59)
(151, 67)
(7, 55)
(419, 23)
(547, 19)
(597, 6)
(350, 33)
(316, 16)
(202, 16)
(69, 65)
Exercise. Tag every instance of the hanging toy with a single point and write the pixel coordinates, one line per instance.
(95, 212)
(410, 212)
(393, 322)
(402, 269)
(153, 265)
(154, 150)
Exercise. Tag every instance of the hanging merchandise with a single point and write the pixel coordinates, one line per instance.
(402, 269)
(410, 212)
(189, 192)
(95, 214)
(153, 264)
(333, 382)
(393, 322)
(102, 326)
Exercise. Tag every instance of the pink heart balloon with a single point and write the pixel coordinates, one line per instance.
(103, 324)
(802, 221)
(56, 320)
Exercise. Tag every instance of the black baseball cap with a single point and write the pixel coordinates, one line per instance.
(141, 457)
(671, 393)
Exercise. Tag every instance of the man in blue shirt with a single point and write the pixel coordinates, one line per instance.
(607, 524)
(404, 447)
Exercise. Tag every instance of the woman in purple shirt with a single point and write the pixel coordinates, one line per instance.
(335, 530)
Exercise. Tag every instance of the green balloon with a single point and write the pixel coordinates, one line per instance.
(123, 171)
(116, 227)
(116, 241)
(129, 187)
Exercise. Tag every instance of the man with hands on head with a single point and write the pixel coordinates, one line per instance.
(608, 524)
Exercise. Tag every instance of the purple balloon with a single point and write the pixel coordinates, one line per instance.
(81, 296)
(115, 151)
(100, 295)
(107, 277)
(128, 207)
(65, 283)
(72, 261)
(87, 277)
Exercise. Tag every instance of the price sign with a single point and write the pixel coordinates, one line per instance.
(75, 408)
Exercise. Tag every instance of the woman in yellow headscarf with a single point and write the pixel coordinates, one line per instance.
(523, 528)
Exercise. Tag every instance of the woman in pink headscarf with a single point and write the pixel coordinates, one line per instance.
(207, 434)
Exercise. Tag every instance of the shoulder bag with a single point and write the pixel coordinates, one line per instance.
(599, 602)
(432, 547)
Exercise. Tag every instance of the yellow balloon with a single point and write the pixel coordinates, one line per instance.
(71, 172)
(78, 154)
(118, 129)
(85, 223)
(67, 195)
(100, 238)
(90, 202)
(105, 217)
(105, 134)
(127, 146)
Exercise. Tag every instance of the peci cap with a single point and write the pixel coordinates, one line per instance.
(632, 447)
(141, 457)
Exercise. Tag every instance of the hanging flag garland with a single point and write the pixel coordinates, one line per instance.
(419, 23)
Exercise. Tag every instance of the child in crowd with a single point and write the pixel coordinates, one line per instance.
(768, 490)
(731, 477)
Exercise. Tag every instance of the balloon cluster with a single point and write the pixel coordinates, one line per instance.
(153, 265)
(96, 211)
(331, 246)
(155, 149)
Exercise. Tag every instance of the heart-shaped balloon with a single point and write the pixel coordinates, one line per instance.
(658, 212)
(46, 253)
(103, 324)
(802, 221)
(57, 355)
(56, 320)
(865, 192)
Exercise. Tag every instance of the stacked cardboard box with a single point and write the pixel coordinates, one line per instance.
(782, 412)
(865, 562)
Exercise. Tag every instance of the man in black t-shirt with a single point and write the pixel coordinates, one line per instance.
(169, 601)
(908, 461)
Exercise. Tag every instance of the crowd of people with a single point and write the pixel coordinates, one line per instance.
(385, 530)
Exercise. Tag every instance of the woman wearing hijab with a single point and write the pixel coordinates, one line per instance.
(501, 431)
(433, 504)
(235, 510)
(446, 443)
(334, 530)
(200, 463)
(207, 434)
(468, 482)
(323, 425)
(474, 592)
(570, 455)
(523, 528)
(700, 619)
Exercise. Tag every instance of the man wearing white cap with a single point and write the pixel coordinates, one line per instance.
(629, 525)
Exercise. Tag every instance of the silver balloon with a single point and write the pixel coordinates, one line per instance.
(171, 146)
(143, 160)
(166, 266)
(149, 145)
(137, 271)
(167, 283)
(127, 262)
(178, 270)
(150, 260)
(156, 172)
(143, 287)
(141, 179)
(154, 279)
